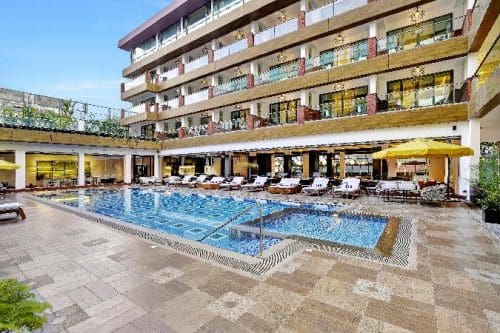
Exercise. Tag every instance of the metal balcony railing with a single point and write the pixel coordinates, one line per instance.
(332, 9)
(135, 82)
(196, 63)
(230, 49)
(276, 31)
(277, 74)
(199, 96)
(231, 86)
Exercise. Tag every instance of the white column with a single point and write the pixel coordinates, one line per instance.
(20, 159)
(214, 44)
(183, 59)
(304, 98)
(254, 68)
(470, 4)
(183, 160)
(81, 169)
(372, 29)
(183, 90)
(156, 167)
(372, 84)
(184, 121)
(471, 138)
(182, 26)
(215, 116)
(304, 51)
(160, 126)
(303, 5)
(127, 169)
(254, 27)
(471, 65)
(254, 109)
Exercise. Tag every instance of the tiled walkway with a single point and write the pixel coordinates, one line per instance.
(101, 280)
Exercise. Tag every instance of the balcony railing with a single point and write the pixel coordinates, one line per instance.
(170, 104)
(197, 130)
(231, 86)
(233, 48)
(337, 57)
(170, 74)
(332, 9)
(276, 31)
(199, 96)
(230, 125)
(197, 63)
(345, 108)
(415, 98)
(139, 108)
(278, 74)
(135, 82)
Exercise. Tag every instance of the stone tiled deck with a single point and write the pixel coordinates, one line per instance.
(101, 280)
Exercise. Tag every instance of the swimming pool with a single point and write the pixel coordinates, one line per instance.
(210, 219)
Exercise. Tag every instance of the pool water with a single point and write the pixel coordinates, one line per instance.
(355, 230)
(209, 218)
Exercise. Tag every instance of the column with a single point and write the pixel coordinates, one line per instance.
(372, 40)
(301, 23)
(471, 66)
(471, 138)
(342, 165)
(371, 98)
(159, 128)
(306, 172)
(127, 169)
(20, 159)
(182, 95)
(304, 53)
(182, 26)
(303, 109)
(227, 166)
(81, 169)
(156, 166)
(467, 24)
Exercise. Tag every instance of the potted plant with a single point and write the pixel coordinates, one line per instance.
(19, 309)
(488, 184)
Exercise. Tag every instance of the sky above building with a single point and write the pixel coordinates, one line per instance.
(68, 49)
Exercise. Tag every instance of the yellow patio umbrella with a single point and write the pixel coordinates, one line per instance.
(425, 148)
(5, 165)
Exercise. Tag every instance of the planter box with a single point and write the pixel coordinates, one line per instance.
(491, 216)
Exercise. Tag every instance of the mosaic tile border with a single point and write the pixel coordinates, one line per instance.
(403, 254)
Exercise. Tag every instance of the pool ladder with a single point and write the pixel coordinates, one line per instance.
(244, 211)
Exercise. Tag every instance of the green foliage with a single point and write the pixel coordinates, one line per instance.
(488, 180)
(19, 309)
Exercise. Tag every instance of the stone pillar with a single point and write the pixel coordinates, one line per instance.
(157, 107)
(180, 67)
(181, 100)
(81, 169)
(372, 47)
(250, 80)
(127, 169)
(301, 22)
(302, 66)
(156, 166)
(210, 92)
(250, 121)
(250, 40)
(467, 24)
(148, 107)
(371, 103)
(182, 133)
(342, 165)
(211, 56)
(211, 127)
(20, 159)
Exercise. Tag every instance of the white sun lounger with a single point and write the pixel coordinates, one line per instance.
(234, 184)
(348, 187)
(149, 180)
(200, 179)
(319, 186)
(258, 184)
(12, 207)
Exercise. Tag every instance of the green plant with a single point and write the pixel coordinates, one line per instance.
(19, 309)
(488, 180)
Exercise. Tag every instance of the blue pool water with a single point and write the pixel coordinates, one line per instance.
(200, 217)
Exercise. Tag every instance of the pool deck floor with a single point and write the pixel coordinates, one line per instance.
(102, 280)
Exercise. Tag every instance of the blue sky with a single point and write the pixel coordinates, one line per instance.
(68, 48)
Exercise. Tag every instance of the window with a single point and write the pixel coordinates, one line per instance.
(344, 55)
(283, 112)
(147, 131)
(426, 90)
(220, 5)
(205, 120)
(197, 16)
(170, 33)
(343, 103)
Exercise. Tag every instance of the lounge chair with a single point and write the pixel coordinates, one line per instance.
(319, 186)
(200, 179)
(184, 181)
(12, 207)
(286, 186)
(213, 184)
(170, 180)
(349, 186)
(234, 184)
(258, 184)
(149, 180)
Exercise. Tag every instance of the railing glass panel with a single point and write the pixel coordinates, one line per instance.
(135, 82)
(231, 49)
(199, 96)
(278, 74)
(231, 86)
(197, 63)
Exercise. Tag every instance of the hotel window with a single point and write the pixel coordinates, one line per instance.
(221, 5)
(343, 103)
(205, 120)
(344, 55)
(283, 112)
(197, 16)
(147, 131)
(424, 33)
(427, 90)
(170, 33)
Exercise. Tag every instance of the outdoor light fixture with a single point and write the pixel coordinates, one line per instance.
(280, 57)
(281, 98)
(339, 39)
(177, 62)
(417, 71)
(282, 17)
(238, 107)
(204, 50)
(338, 86)
(238, 70)
(203, 81)
(239, 35)
(178, 91)
(417, 15)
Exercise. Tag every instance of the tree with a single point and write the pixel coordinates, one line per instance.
(19, 309)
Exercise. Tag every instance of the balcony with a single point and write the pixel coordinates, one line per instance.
(230, 125)
(424, 97)
(196, 63)
(332, 9)
(170, 74)
(197, 130)
(233, 48)
(139, 108)
(170, 104)
(278, 74)
(346, 108)
(276, 31)
(338, 57)
(231, 86)
(197, 97)
(141, 79)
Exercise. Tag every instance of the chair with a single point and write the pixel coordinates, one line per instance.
(349, 186)
(148, 180)
(200, 179)
(171, 179)
(234, 184)
(286, 186)
(213, 184)
(12, 207)
(184, 181)
(258, 184)
(319, 186)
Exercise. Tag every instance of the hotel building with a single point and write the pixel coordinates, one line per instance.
(299, 87)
